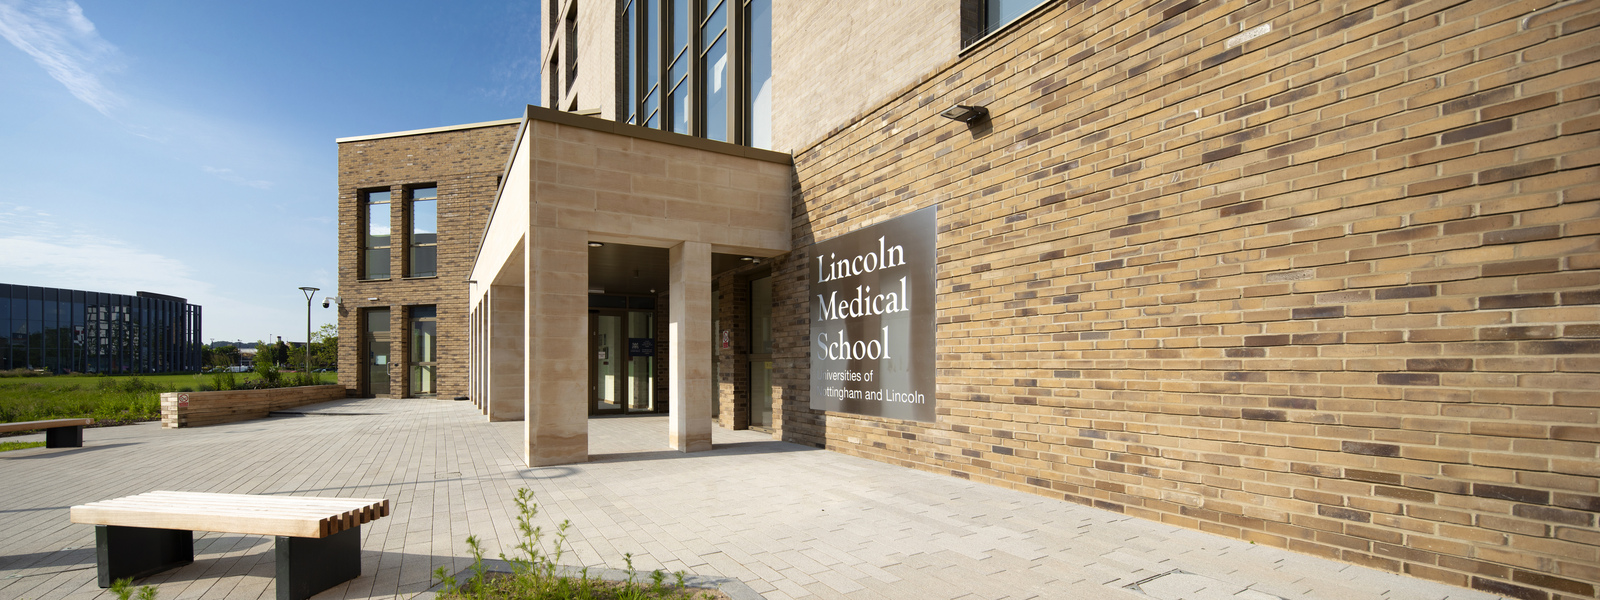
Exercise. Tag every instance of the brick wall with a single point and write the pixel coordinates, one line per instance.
(466, 165)
(1333, 289)
(732, 296)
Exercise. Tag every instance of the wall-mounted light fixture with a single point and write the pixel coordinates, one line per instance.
(965, 114)
(372, 299)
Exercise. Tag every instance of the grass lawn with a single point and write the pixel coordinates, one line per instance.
(111, 400)
(4, 446)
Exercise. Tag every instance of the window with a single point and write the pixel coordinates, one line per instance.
(625, 107)
(424, 241)
(714, 63)
(983, 17)
(699, 67)
(375, 264)
(758, 114)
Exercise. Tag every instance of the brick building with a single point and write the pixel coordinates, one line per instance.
(1316, 275)
(411, 207)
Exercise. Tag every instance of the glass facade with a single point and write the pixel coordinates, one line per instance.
(72, 331)
(699, 67)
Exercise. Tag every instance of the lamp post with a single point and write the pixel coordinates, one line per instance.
(310, 291)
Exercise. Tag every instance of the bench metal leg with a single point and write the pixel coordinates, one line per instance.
(64, 437)
(137, 552)
(307, 566)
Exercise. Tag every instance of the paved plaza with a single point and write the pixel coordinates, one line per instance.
(788, 520)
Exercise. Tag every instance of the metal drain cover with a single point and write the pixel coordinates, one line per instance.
(1178, 584)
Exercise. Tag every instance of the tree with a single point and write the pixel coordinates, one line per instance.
(227, 356)
(325, 347)
(265, 352)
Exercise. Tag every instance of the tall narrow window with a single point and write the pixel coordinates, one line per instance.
(377, 239)
(424, 232)
(678, 101)
(758, 114)
(424, 350)
(625, 106)
(650, 114)
(714, 63)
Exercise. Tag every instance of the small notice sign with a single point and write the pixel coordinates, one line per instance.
(641, 347)
(727, 339)
(183, 400)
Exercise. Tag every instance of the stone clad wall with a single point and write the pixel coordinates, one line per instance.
(1334, 289)
(466, 164)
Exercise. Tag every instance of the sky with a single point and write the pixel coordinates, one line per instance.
(187, 147)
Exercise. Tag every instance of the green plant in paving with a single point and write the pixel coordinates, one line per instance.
(536, 575)
(123, 589)
(4, 446)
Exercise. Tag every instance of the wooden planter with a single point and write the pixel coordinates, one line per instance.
(197, 409)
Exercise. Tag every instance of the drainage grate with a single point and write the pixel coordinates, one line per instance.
(1179, 584)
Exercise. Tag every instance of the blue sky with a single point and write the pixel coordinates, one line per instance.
(187, 147)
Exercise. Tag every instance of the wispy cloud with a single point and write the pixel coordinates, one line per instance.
(65, 43)
(39, 252)
(229, 176)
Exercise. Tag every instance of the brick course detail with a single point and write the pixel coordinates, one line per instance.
(1334, 289)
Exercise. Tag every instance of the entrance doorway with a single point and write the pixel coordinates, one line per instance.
(377, 342)
(622, 357)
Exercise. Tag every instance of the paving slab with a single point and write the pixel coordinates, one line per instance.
(789, 520)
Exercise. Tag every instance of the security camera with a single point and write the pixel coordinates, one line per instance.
(324, 302)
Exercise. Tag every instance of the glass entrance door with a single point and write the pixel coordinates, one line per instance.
(605, 366)
(621, 362)
(377, 368)
(424, 351)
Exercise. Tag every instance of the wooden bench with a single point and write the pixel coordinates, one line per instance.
(58, 433)
(318, 539)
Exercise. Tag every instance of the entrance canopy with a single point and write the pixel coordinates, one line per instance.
(573, 180)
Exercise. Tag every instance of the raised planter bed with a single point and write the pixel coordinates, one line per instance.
(198, 409)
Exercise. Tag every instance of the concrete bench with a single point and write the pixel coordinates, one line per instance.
(318, 542)
(58, 433)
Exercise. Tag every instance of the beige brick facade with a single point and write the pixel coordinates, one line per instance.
(466, 164)
(1334, 289)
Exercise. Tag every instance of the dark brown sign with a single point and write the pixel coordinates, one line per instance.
(872, 320)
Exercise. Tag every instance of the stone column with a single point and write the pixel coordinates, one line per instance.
(557, 331)
(506, 355)
(689, 332)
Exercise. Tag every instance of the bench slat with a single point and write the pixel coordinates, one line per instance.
(295, 516)
(175, 504)
(46, 424)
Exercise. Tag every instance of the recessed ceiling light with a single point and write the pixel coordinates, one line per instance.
(595, 244)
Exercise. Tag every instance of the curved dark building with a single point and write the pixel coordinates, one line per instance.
(73, 331)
